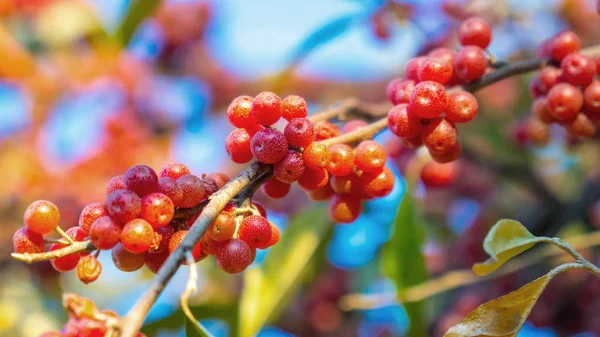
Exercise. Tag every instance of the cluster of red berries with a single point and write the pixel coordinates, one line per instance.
(568, 95)
(136, 222)
(344, 175)
(424, 112)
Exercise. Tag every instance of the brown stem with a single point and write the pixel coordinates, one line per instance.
(359, 134)
(76, 247)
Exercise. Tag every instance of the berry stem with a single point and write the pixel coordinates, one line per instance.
(76, 247)
(359, 134)
(63, 235)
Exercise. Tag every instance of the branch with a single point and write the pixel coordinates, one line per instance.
(76, 247)
(359, 134)
(352, 107)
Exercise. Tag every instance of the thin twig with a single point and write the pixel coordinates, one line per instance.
(76, 247)
(359, 134)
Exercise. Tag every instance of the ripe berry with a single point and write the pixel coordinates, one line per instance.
(123, 205)
(154, 261)
(127, 261)
(475, 31)
(591, 99)
(439, 175)
(470, 63)
(398, 90)
(64, 263)
(354, 125)
(237, 146)
(344, 208)
(369, 156)
(462, 107)
(377, 185)
(256, 231)
(293, 106)
(76, 233)
(116, 183)
(223, 227)
(88, 269)
(274, 236)
(41, 217)
(543, 49)
(321, 194)
(234, 256)
(449, 156)
(316, 155)
(141, 179)
(435, 69)
(578, 69)
(412, 142)
(290, 168)
(169, 187)
(313, 179)
(176, 240)
(582, 127)
(260, 209)
(269, 146)
(161, 239)
(439, 136)
(174, 170)
(564, 101)
(137, 236)
(427, 100)
(105, 233)
(90, 214)
(547, 78)
(26, 241)
(447, 55)
(210, 186)
(563, 44)
(349, 184)
(266, 108)
(326, 130)
(209, 246)
(412, 68)
(299, 132)
(157, 209)
(342, 160)
(239, 112)
(402, 123)
(276, 189)
(541, 110)
(220, 179)
(537, 132)
(193, 190)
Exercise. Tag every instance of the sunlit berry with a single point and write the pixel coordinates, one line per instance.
(26, 241)
(403, 123)
(293, 106)
(269, 146)
(462, 107)
(88, 269)
(105, 233)
(157, 209)
(369, 156)
(239, 112)
(256, 231)
(470, 63)
(123, 205)
(237, 146)
(475, 31)
(439, 136)
(193, 190)
(427, 100)
(344, 208)
(41, 217)
(326, 130)
(234, 256)
(174, 170)
(342, 160)
(141, 179)
(266, 108)
(299, 132)
(316, 155)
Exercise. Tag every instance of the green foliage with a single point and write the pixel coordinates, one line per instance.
(195, 329)
(227, 313)
(137, 11)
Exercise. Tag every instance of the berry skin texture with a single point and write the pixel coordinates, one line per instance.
(439, 175)
(342, 160)
(160, 243)
(26, 241)
(344, 208)
(176, 240)
(449, 156)
(398, 90)
(470, 63)
(234, 256)
(76, 233)
(564, 101)
(116, 183)
(427, 100)
(313, 179)
(169, 187)
(239, 112)
(174, 170)
(369, 156)
(591, 99)
(412, 68)
(269, 146)
(326, 130)
(237, 146)
(542, 83)
(155, 261)
(316, 155)
(137, 236)
(563, 44)
(377, 185)
(266, 108)
(321, 194)
(141, 179)
(293, 106)
(582, 127)
(65, 263)
(105, 233)
(41, 217)
(157, 209)
(88, 269)
(223, 227)
(475, 32)
(256, 231)
(290, 168)
(91, 213)
(193, 190)
(462, 107)
(275, 235)
(220, 179)
(276, 189)
(578, 69)
(299, 132)
(435, 69)
(123, 205)
(126, 261)
(402, 123)
(439, 136)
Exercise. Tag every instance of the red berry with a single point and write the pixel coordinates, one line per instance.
(476, 32)
(237, 146)
(260, 209)
(398, 90)
(266, 108)
(344, 208)
(161, 239)
(299, 132)
(210, 186)
(41, 217)
(537, 132)
(412, 142)
(326, 130)
(564, 101)
(220, 179)
(239, 113)
(157, 209)
(90, 214)
(445, 54)
(116, 183)
(377, 185)
(342, 160)
(76, 233)
(105, 233)
(369, 156)
(354, 125)
(541, 110)
(209, 246)
(578, 69)
(470, 63)
(435, 69)
(193, 190)
(462, 107)
(123, 205)
(276, 189)
(591, 99)
(563, 44)
(127, 261)
(234, 256)
(256, 231)
(169, 187)
(275, 235)
(313, 179)
(439, 136)
(290, 168)
(316, 155)
(223, 227)
(174, 170)
(141, 179)
(402, 123)
(321, 194)
(543, 49)
(154, 261)
(293, 106)
(88, 269)
(269, 146)
(64, 263)
(582, 127)
(427, 100)
(449, 156)
(439, 175)
(349, 184)
(542, 83)
(176, 240)
(137, 236)
(26, 241)
(412, 68)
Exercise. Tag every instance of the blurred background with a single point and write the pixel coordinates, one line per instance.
(91, 87)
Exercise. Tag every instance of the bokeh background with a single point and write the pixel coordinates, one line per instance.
(91, 87)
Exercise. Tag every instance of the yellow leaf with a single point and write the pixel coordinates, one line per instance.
(507, 239)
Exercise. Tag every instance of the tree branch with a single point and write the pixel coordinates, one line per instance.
(76, 247)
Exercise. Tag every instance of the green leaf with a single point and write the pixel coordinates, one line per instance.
(402, 258)
(137, 11)
(266, 288)
(195, 329)
(506, 239)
